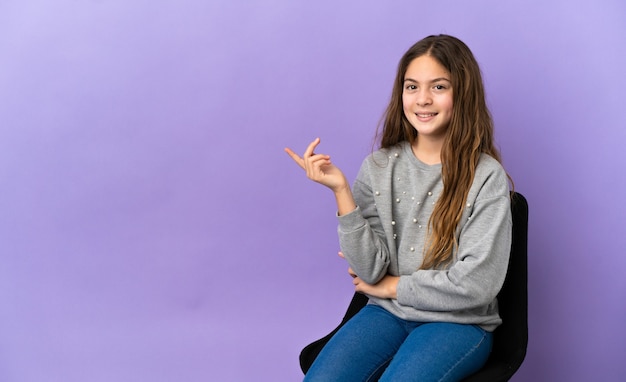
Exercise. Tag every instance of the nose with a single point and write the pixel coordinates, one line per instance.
(423, 98)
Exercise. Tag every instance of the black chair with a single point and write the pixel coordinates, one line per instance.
(510, 338)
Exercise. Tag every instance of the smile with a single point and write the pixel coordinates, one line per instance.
(426, 115)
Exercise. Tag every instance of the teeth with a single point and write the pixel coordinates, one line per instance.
(425, 115)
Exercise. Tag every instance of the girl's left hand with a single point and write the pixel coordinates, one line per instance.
(385, 288)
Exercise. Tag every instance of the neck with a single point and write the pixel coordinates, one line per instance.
(427, 150)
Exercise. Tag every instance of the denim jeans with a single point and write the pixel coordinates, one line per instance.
(376, 344)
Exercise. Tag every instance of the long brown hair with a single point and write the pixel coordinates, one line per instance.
(469, 134)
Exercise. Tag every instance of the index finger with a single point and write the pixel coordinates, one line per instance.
(296, 158)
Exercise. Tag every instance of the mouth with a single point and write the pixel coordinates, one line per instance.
(425, 115)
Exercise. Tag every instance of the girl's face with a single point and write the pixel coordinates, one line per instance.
(427, 97)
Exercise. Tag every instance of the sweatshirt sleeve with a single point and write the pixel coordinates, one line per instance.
(481, 262)
(361, 234)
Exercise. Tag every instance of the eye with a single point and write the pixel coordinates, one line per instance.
(439, 87)
(410, 87)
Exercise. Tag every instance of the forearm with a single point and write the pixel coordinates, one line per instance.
(385, 288)
(345, 201)
(364, 248)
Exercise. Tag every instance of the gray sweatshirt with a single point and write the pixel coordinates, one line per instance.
(395, 195)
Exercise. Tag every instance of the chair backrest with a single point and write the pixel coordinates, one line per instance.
(511, 338)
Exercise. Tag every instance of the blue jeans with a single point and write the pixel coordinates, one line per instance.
(376, 344)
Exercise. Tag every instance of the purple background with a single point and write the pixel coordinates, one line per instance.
(152, 229)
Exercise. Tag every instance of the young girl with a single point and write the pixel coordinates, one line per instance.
(426, 228)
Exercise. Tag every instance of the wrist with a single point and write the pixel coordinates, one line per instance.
(393, 287)
(342, 189)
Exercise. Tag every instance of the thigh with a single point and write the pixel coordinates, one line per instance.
(361, 349)
(440, 352)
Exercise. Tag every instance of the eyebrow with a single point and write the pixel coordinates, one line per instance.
(431, 81)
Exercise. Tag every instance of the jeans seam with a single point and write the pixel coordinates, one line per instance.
(472, 350)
